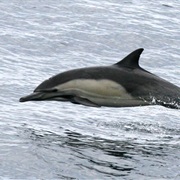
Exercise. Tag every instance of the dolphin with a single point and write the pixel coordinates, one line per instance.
(124, 84)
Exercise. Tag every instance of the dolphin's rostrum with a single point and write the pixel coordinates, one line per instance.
(123, 84)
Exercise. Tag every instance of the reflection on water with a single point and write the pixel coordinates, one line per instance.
(110, 158)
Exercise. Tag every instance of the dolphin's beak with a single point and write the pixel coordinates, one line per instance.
(35, 96)
(45, 95)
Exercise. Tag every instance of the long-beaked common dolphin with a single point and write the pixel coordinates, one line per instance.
(123, 84)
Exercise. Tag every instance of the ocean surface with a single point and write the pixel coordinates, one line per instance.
(60, 140)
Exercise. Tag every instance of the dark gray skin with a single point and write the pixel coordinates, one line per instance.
(139, 83)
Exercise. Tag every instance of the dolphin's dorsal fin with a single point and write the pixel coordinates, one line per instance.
(131, 60)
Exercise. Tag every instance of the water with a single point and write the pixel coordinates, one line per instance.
(56, 140)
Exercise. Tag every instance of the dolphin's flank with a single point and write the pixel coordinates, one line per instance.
(124, 84)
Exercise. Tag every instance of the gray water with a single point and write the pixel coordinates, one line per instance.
(60, 140)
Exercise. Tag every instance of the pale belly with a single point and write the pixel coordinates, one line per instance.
(101, 92)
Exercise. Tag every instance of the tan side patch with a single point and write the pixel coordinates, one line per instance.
(102, 88)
